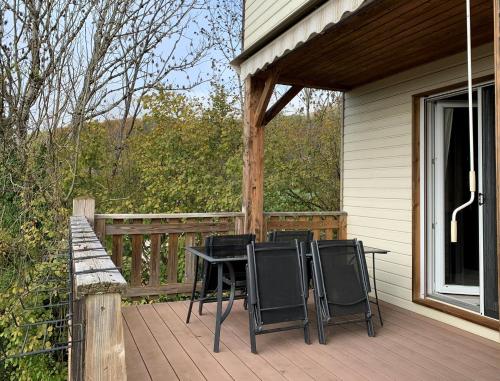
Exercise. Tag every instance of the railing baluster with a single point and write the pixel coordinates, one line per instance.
(100, 230)
(316, 232)
(173, 257)
(329, 231)
(117, 250)
(154, 259)
(136, 273)
(188, 258)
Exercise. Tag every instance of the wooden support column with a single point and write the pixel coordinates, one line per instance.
(258, 93)
(496, 38)
(253, 160)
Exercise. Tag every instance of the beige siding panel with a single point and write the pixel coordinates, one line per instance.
(377, 178)
(374, 212)
(262, 16)
(398, 182)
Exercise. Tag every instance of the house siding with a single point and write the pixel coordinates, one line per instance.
(377, 179)
(262, 16)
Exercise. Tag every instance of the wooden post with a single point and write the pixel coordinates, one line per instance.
(84, 207)
(496, 38)
(253, 159)
(97, 312)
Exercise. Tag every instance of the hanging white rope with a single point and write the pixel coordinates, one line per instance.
(472, 172)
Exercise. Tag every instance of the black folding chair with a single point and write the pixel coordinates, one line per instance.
(304, 237)
(289, 236)
(276, 290)
(341, 284)
(219, 247)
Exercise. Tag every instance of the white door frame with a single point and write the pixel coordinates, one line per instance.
(439, 222)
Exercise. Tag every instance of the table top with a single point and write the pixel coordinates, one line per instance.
(201, 252)
(374, 250)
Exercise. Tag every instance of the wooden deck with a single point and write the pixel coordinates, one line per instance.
(160, 346)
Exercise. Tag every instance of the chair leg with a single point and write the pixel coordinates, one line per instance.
(307, 334)
(369, 326)
(245, 303)
(251, 322)
(193, 292)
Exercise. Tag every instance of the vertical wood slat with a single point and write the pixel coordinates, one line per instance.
(100, 230)
(329, 232)
(342, 229)
(117, 249)
(316, 232)
(136, 273)
(172, 259)
(190, 240)
(154, 260)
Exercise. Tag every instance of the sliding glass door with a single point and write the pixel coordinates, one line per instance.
(460, 273)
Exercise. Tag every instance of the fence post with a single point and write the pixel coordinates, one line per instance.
(97, 307)
(84, 207)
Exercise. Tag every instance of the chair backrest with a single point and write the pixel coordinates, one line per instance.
(228, 245)
(340, 275)
(364, 266)
(289, 236)
(276, 282)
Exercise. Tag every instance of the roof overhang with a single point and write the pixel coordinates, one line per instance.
(251, 61)
(347, 43)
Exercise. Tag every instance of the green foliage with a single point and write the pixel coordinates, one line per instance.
(182, 155)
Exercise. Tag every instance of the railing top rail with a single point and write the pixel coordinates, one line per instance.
(129, 216)
(94, 271)
(306, 214)
(153, 216)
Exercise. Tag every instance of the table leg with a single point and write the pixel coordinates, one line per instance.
(375, 289)
(196, 258)
(218, 315)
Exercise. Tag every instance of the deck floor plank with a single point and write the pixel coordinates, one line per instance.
(445, 348)
(136, 369)
(182, 364)
(158, 366)
(263, 369)
(205, 361)
(409, 347)
(233, 364)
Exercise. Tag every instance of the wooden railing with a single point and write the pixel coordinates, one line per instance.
(149, 248)
(97, 351)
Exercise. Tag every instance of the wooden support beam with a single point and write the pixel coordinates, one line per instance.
(281, 103)
(265, 97)
(496, 39)
(253, 159)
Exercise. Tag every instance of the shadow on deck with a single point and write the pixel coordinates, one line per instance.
(160, 346)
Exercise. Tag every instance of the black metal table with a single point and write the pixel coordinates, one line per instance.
(373, 251)
(200, 252)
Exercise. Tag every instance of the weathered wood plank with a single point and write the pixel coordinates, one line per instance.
(166, 228)
(94, 270)
(104, 344)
